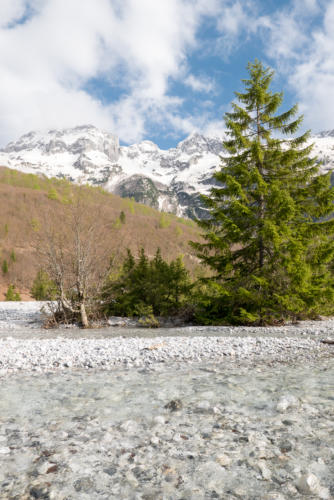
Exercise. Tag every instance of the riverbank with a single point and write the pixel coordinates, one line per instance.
(25, 346)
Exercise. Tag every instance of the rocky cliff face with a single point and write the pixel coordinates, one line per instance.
(170, 180)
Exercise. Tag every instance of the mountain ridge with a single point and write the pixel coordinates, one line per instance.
(170, 180)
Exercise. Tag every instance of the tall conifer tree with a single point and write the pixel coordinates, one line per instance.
(269, 232)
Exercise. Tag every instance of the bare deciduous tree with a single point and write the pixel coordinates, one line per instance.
(74, 251)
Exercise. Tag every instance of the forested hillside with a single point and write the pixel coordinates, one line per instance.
(27, 199)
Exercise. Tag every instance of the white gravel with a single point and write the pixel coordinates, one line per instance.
(14, 315)
(25, 352)
(60, 353)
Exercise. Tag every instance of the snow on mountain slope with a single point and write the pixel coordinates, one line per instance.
(170, 180)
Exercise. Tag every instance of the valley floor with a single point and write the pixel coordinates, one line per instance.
(190, 413)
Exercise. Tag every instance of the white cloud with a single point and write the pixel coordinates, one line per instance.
(215, 128)
(233, 18)
(142, 47)
(10, 10)
(237, 22)
(304, 54)
(200, 84)
(46, 61)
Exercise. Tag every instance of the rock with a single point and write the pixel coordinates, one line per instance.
(223, 460)
(264, 469)
(46, 467)
(110, 471)
(174, 405)
(4, 450)
(83, 484)
(203, 406)
(159, 420)
(285, 446)
(119, 321)
(274, 495)
(286, 402)
(309, 484)
(131, 480)
(40, 492)
(240, 492)
(213, 476)
(130, 427)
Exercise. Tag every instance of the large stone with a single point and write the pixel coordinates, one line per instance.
(309, 484)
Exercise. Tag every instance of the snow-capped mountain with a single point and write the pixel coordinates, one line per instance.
(170, 180)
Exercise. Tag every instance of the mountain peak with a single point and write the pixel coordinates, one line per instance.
(75, 140)
(325, 133)
(197, 142)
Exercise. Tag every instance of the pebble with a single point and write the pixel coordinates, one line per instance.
(223, 460)
(4, 450)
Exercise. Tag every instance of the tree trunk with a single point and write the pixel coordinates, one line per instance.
(261, 207)
(83, 313)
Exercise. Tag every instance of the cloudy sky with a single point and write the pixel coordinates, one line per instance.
(157, 69)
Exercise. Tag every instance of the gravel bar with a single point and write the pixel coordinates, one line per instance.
(61, 353)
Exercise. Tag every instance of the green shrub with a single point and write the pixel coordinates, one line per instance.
(164, 287)
(4, 266)
(122, 217)
(11, 294)
(164, 221)
(43, 287)
(13, 256)
(35, 225)
(52, 194)
(146, 316)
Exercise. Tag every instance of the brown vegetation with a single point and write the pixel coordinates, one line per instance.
(25, 199)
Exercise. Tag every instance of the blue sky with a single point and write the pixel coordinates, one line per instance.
(158, 69)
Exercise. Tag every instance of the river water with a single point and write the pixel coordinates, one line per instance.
(232, 431)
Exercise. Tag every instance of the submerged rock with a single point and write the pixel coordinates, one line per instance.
(286, 402)
(174, 405)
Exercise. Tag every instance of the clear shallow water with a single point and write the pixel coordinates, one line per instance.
(314, 329)
(92, 434)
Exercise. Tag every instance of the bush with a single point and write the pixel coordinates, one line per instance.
(11, 294)
(122, 217)
(43, 287)
(13, 256)
(146, 316)
(164, 221)
(161, 286)
(52, 194)
(4, 267)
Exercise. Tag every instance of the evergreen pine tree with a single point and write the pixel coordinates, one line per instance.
(268, 237)
(153, 286)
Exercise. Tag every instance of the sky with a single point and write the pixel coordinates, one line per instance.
(158, 69)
